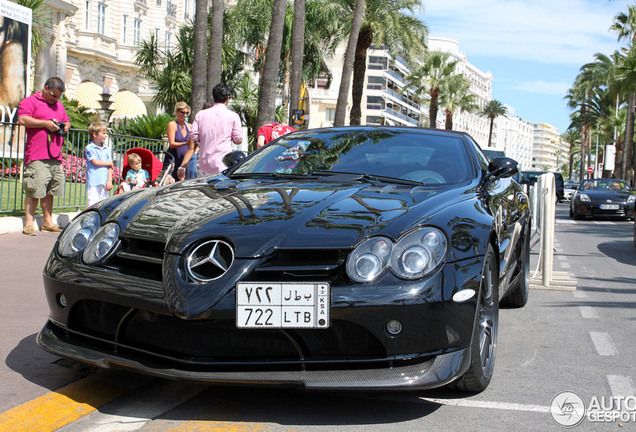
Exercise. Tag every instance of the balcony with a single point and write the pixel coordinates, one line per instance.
(400, 116)
(401, 98)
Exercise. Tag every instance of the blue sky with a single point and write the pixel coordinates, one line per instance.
(533, 48)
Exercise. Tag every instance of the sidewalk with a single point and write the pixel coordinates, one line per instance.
(15, 224)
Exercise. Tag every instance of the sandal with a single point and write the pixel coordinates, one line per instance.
(28, 230)
(51, 228)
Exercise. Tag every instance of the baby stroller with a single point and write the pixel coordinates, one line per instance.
(158, 164)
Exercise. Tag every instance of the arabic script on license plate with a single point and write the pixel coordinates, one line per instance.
(282, 305)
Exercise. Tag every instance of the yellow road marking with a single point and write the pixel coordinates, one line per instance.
(53, 410)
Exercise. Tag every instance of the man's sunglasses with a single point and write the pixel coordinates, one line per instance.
(54, 95)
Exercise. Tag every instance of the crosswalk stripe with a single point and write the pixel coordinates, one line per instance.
(603, 343)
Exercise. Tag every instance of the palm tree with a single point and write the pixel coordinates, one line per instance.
(625, 26)
(215, 50)
(492, 110)
(347, 68)
(456, 96)
(40, 20)
(390, 22)
(199, 58)
(572, 137)
(298, 48)
(429, 77)
(269, 79)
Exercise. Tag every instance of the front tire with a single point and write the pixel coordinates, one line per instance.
(484, 342)
(521, 290)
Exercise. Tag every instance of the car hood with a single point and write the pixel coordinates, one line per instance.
(604, 196)
(259, 216)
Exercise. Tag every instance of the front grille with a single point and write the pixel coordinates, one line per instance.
(139, 258)
(213, 341)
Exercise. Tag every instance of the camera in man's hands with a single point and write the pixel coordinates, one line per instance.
(61, 126)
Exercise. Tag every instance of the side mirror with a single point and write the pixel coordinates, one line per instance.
(233, 158)
(501, 167)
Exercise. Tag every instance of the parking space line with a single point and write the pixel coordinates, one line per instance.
(490, 405)
(604, 223)
(603, 343)
(621, 385)
(588, 312)
(565, 265)
(565, 221)
(53, 410)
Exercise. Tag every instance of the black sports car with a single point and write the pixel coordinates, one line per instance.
(356, 257)
(603, 197)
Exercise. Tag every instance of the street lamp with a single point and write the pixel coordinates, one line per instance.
(105, 103)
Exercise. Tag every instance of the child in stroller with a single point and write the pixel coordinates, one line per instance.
(143, 168)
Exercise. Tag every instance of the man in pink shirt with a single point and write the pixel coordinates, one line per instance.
(43, 177)
(215, 129)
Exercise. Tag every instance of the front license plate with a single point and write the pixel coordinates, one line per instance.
(282, 305)
(609, 206)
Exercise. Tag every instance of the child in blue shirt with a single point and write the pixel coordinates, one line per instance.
(99, 165)
(137, 177)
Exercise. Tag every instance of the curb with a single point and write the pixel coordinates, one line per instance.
(10, 225)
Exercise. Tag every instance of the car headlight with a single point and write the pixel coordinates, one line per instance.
(418, 253)
(101, 244)
(77, 235)
(631, 199)
(414, 256)
(584, 198)
(369, 259)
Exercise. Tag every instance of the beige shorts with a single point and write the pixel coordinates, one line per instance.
(42, 178)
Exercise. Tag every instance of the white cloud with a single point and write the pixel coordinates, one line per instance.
(551, 88)
(549, 31)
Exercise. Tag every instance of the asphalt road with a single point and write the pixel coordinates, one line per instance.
(581, 342)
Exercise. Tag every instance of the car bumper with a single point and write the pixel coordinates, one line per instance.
(431, 373)
(593, 209)
(112, 322)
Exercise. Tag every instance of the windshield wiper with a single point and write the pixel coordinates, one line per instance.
(369, 177)
(273, 174)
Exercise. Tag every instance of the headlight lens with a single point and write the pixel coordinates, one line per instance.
(631, 199)
(369, 259)
(76, 237)
(418, 253)
(414, 256)
(584, 198)
(102, 243)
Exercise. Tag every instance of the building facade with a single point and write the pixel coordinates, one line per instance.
(514, 137)
(547, 151)
(94, 42)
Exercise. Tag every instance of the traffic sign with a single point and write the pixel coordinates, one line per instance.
(590, 170)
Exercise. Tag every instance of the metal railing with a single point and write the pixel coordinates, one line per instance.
(12, 141)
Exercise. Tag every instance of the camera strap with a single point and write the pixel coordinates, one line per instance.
(50, 141)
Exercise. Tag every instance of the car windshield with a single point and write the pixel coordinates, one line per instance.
(425, 157)
(605, 185)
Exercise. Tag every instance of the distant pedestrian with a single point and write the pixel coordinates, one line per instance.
(271, 131)
(215, 129)
(46, 124)
(179, 135)
(99, 165)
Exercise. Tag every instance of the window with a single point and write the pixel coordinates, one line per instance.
(168, 35)
(186, 8)
(375, 120)
(124, 29)
(331, 114)
(376, 83)
(101, 18)
(376, 62)
(137, 32)
(87, 18)
(375, 102)
(157, 34)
